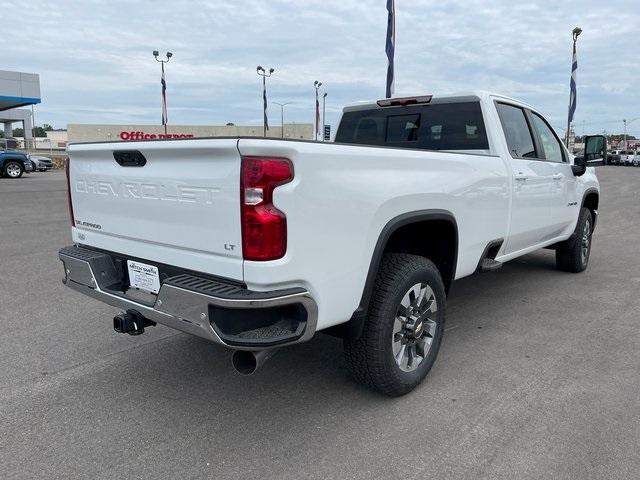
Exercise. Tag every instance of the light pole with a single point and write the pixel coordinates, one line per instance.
(572, 93)
(282, 105)
(317, 86)
(324, 112)
(627, 122)
(264, 74)
(165, 116)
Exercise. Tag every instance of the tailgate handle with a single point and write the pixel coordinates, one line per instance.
(130, 158)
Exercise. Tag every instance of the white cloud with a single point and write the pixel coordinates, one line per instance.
(95, 63)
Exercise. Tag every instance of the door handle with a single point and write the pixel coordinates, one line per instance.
(521, 177)
(558, 176)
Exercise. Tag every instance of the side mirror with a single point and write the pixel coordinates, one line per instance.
(595, 149)
(579, 166)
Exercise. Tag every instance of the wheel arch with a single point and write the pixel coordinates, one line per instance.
(389, 240)
(591, 200)
(8, 158)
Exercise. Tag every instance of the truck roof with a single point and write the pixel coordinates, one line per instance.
(442, 98)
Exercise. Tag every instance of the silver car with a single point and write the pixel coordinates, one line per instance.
(42, 164)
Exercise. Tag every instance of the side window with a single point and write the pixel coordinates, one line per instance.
(550, 143)
(516, 131)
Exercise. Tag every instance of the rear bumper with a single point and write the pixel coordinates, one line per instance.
(223, 313)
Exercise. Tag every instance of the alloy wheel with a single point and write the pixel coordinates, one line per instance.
(586, 241)
(13, 170)
(414, 327)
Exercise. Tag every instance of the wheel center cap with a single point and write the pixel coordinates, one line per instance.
(415, 329)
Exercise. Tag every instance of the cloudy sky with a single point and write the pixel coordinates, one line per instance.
(95, 63)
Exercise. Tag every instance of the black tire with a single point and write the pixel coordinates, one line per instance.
(571, 256)
(10, 166)
(370, 359)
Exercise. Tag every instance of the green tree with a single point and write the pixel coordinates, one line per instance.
(39, 132)
(18, 132)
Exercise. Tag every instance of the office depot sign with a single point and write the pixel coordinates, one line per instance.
(136, 135)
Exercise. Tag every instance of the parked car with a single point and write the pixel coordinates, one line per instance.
(9, 143)
(13, 163)
(612, 158)
(631, 158)
(624, 157)
(256, 243)
(42, 164)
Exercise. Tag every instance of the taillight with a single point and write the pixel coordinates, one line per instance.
(68, 174)
(264, 227)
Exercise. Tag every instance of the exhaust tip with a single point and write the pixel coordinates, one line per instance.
(244, 362)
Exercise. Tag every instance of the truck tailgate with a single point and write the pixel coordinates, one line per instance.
(181, 208)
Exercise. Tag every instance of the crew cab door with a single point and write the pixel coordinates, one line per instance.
(533, 183)
(563, 198)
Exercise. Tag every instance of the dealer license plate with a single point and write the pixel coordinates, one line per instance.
(143, 276)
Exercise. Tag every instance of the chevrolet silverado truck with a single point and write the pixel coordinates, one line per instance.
(256, 244)
(14, 163)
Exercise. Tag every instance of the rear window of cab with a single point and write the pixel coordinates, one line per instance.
(439, 126)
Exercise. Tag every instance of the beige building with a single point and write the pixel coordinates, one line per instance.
(55, 140)
(97, 133)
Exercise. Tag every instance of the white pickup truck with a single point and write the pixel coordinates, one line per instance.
(256, 243)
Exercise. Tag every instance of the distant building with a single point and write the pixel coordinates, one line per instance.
(617, 143)
(98, 133)
(572, 139)
(18, 89)
(55, 140)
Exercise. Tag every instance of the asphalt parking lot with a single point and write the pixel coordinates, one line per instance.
(538, 376)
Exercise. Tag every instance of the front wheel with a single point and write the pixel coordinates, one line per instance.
(13, 170)
(404, 326)
(574, 255)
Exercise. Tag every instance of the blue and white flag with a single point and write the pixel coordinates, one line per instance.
(165, 115)
(264, 99)
(391, 46)
(573, 95)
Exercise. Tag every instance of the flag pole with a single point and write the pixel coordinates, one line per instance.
(391, 47)
(264, 105)
(572, 84)
(264, 74)
(317, 86)
(164, 101)
(165, 116)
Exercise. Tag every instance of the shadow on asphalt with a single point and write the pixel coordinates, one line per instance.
(311, 376)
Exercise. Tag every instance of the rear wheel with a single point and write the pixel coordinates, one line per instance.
(403, 329)
(13, 169)
(574, 256)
